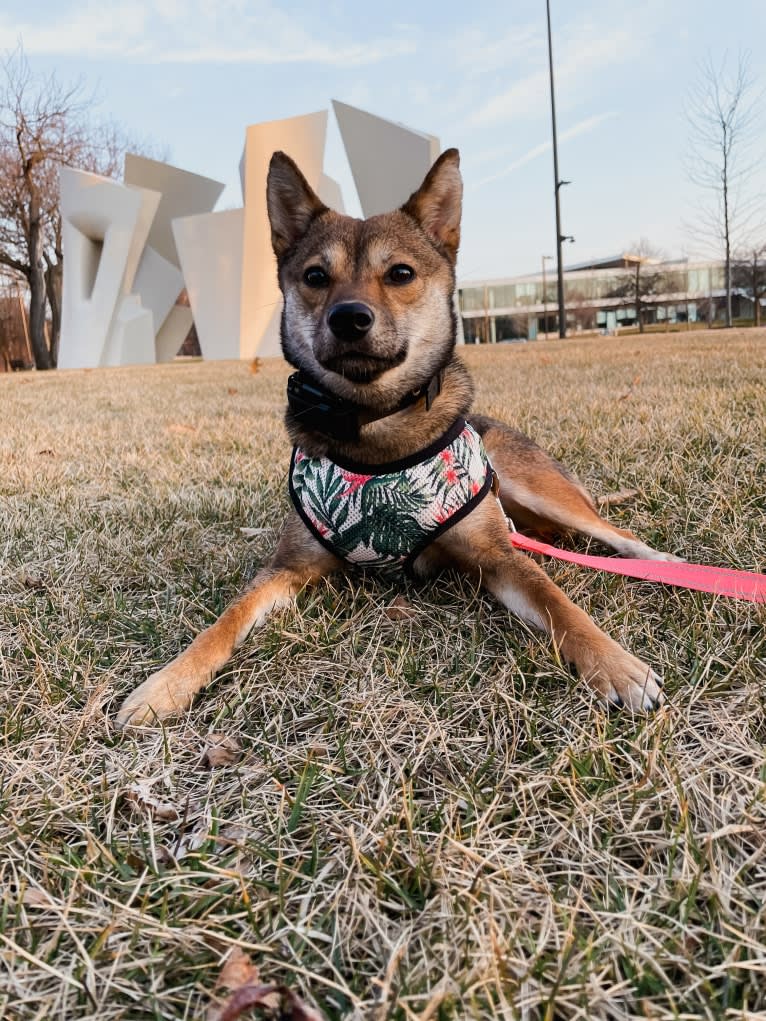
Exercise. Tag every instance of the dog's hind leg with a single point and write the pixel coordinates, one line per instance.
(298, 560)
(540, 495)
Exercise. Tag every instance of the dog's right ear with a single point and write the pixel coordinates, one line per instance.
(291, 203)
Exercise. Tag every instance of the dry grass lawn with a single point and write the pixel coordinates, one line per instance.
(418, 818)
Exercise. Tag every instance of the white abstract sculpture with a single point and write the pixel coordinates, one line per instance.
(122, 275)
(388, 161)
(104, 229)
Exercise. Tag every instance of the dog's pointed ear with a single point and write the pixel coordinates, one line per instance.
(437, 203)
(291, 203)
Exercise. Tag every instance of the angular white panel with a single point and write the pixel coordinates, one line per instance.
(388, 160)
(131, 338)
(150, 201)
(210, 249)
(173, 333)
(330, 193)
(302, 138)
(242, 181)
(158, 283)
(183, 194)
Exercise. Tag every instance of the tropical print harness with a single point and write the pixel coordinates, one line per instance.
(389, 513)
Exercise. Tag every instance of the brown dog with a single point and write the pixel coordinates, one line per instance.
(380, 398)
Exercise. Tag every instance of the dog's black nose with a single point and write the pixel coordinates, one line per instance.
(350, 320)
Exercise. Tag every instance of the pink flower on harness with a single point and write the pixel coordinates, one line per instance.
(355, 482)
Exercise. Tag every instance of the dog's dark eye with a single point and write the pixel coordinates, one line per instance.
(315, 276)
(400, 274)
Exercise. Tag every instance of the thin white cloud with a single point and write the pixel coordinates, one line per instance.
(313, 52)
(476, 52)
(581, 128)
(530, 95)
(194, 32)
(586, 50)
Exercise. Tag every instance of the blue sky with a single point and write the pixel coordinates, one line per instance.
(188, 75)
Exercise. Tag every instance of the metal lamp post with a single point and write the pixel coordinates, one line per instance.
(558, 184)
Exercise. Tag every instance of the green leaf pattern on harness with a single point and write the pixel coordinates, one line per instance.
(387, 517)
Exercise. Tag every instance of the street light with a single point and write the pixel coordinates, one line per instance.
(558, 184)
(546, 258)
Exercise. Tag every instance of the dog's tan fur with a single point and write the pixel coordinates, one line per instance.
(413, 337)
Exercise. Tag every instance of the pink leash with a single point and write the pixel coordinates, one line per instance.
(721, 581)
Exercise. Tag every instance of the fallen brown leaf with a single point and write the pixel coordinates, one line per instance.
(138, 796)
(319, 748)
(32, 581)
(400, 608)
(290, 1006)
(221, 750)
(238, 970)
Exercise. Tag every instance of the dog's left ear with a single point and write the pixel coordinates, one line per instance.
(437, 203)
(291, 203)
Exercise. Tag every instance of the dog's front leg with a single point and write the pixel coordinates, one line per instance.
(298, 560)
(479, 545)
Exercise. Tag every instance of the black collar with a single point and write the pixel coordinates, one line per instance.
(320, 410)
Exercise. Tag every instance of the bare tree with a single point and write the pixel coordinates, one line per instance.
(44, 125)
(721, 115)
(643, 279)
(749, 275)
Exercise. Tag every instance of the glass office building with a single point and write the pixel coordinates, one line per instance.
(600, 296)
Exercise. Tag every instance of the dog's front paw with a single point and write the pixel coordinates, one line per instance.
(669, 558)
(164, 694)
(624, 680)
(641, 551)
